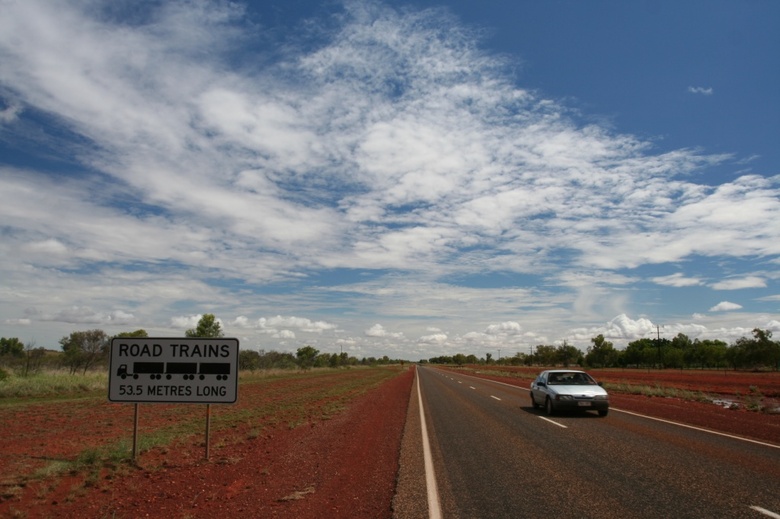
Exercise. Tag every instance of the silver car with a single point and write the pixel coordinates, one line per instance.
(566, 389)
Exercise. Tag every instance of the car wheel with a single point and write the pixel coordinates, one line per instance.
(603, 412)
(533, 402)
(548, 406)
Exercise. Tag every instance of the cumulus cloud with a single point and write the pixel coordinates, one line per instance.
(725, 306)
(739, 283)
(773, 325)
(701, 90)
(436, 338)
(677, 280)
(624, 327)
(275, 324)
(19, 322)
(378, 330)
(505, 328)
(86, 315)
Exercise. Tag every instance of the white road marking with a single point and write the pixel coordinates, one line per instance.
(553, 422)
(696, 428)
(434, 509)
(766, 512)
(491, 396)
(472, 387)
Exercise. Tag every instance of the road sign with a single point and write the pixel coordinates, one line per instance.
(173, 370)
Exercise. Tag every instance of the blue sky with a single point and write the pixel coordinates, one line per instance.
(406, 179)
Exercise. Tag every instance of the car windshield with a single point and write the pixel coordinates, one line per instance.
(570, 379)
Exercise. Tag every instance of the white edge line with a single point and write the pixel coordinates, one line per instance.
(434, 509)
(553, 422)
(766, 512)
(701, 429)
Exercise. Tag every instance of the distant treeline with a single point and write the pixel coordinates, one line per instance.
(83, 351)
(87, 350)
(758, 352)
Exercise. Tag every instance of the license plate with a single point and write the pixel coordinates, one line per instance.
(583, 404)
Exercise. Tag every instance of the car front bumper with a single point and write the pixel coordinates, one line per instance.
(580, 405)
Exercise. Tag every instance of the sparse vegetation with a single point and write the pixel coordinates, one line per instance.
(318, 395)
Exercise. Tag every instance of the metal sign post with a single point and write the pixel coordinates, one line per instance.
(208, 427)
(135, 432)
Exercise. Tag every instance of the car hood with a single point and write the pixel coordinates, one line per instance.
(578, 390)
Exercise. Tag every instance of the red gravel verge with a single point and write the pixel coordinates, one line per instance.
(343, 466)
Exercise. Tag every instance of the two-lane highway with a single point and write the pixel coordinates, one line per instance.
(495, 456)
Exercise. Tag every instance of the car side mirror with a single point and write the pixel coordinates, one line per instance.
(541, 384)
(600, 383)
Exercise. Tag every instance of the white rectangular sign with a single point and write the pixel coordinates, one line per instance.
(173, 370)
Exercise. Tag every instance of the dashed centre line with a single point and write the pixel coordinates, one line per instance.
(554, 422)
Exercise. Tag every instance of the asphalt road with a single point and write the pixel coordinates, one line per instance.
(496, 457)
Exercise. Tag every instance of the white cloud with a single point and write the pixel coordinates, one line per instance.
(725, 306)
(624, 327)
(701, 90)
(505, 328)
(378, 330)
(436, 338)
(677, 280)
(277, 323)
(284, 334)
(86, 315)
(739, 283)
(10, 113)
(18, 322)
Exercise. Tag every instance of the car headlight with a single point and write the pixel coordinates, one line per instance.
(601, 397)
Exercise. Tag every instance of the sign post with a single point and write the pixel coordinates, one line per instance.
(194, 370)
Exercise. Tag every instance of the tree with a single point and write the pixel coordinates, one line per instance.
(568, 354)
(767, 350)
(755, 352)
(306, 356)
(12, 347)
(33, 357)
(248, 359)
(546, 355)
(602, 353)
(709, 353)
(137, 333)
(208, 326)
(84, 349)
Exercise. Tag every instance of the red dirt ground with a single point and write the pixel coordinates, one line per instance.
(341, 465)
